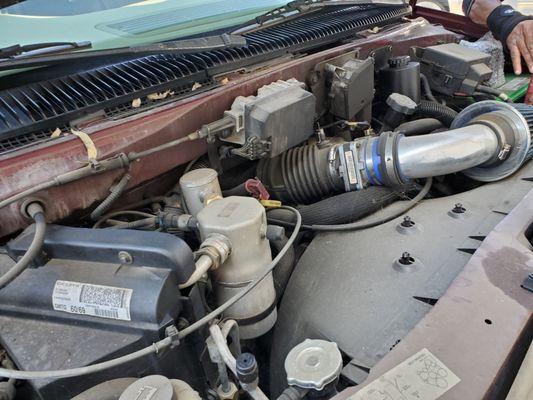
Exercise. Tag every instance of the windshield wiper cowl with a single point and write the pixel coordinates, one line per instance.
(37, 49)
(185, 46)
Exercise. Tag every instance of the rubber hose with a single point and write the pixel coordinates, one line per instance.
(116, 192)
(239, 190)
(436, 110)
(283, 271)
(33, 250)
(293, 393)
(427, 89)
(7, 390)
(147, 223)
(345, 207)
(493, 92)
(109, 390)
(366, 223)
(419, 126)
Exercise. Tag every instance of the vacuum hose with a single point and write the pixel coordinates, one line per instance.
(36, 212)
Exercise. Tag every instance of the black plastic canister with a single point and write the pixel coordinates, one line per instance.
(401, 76)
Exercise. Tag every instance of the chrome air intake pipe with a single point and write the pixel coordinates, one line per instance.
(488, 141)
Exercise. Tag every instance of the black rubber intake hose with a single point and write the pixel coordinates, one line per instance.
(438, 111)
(299, 175)
(343, 208)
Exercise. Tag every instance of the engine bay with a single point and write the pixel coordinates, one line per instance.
(322, 217)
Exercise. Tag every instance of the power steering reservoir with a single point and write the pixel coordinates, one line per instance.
(243, 221)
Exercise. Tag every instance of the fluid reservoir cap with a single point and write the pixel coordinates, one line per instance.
(401, 103)
(399, 62)
(313, 364)
(153, 387)
(198, 177)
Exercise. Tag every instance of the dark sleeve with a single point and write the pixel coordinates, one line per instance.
(502, 20)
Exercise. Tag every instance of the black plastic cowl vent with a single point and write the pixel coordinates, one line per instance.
(46, 105)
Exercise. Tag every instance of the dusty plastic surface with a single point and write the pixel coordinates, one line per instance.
(489, 45)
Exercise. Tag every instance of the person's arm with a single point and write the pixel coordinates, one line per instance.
(512, 28)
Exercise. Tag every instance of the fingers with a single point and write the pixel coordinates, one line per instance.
(515, 57)
(526, 54)
(476, 15)
(520, 44)
(528, 37)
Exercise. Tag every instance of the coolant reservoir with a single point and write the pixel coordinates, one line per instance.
(243, 221)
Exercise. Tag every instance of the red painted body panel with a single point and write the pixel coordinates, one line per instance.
(454, 22)
(28, 167)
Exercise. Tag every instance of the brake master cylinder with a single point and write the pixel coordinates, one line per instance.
(243, 221)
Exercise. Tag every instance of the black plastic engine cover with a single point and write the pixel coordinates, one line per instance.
(71, 313)
(147, 249)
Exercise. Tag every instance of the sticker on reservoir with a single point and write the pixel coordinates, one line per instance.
(421, 376)
(95, 300)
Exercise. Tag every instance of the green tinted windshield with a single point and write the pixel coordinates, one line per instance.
(116, 23)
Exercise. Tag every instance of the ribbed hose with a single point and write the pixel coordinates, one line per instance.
(299, 175)
(527, 113)
(300, 170)
(436, 110)
(116, 192)
(347, 207)
(343, 208)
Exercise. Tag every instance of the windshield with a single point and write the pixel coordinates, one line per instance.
(63, 7)
(110, 24)
(118, 23)
(47, 8)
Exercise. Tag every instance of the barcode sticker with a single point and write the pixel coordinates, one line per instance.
(350, 166)
(95, 300)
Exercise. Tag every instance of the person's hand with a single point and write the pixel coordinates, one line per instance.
(520, 44)
(481, 10)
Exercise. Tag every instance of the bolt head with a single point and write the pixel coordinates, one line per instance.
(407, 222)
(458, 208)
(406, 259)
(125, 257)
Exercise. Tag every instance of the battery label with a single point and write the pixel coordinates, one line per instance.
(95, 300)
